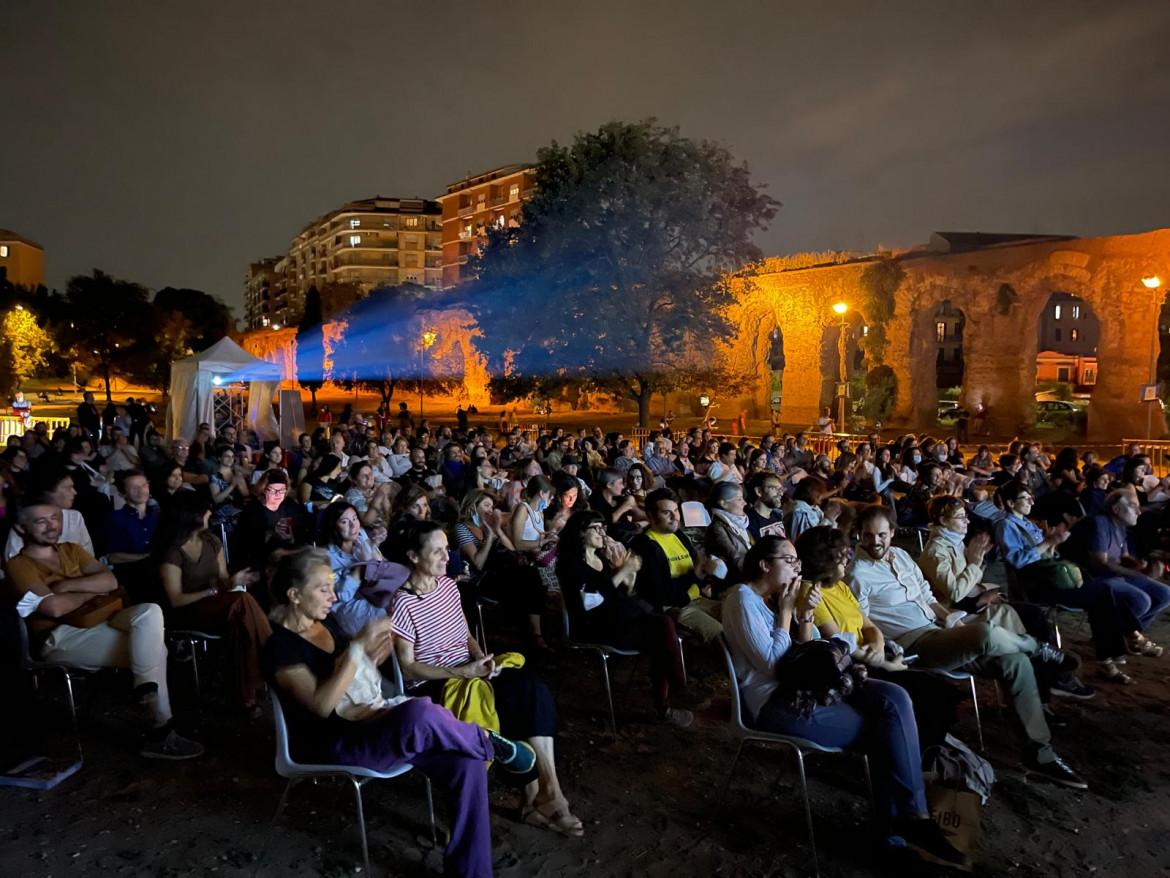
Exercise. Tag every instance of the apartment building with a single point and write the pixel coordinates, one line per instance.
(22, 262)
(470, 206)
(370, 243)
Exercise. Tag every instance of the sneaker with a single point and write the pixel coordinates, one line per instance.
(1057, 772)
(925, 835)
(1050, 655)
(174, 747)
(517, 757)
(1072, 687)
(677, 717)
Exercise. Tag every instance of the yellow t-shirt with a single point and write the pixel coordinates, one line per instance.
(838, 605)
(680, 559)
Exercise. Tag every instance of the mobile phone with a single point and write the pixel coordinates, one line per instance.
(909, 659)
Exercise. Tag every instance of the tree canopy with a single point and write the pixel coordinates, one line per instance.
(617, 273)
(209, 318)
(311, 346)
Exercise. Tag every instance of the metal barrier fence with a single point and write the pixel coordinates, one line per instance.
(10, 425)
(1157, 449)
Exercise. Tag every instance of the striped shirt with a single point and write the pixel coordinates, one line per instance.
(434, 623)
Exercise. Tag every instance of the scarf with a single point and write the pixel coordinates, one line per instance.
(738, 525)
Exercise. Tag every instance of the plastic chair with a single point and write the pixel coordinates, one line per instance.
(695, 514)
(800, 746)
(604, 651)
(961, 676)
(286, 767)
(68, 672)
(194, 641)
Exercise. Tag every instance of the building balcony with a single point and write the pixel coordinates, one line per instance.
(496, 202)
(467, 211)
(528, 193)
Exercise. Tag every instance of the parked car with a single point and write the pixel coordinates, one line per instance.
(1057, 411)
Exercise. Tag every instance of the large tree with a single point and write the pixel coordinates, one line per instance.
(106, 324)
(208, 317)
(617, 272)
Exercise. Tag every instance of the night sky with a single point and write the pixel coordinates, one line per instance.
(172, 143)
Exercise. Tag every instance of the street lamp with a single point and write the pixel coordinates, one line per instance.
(842, 343)
(1153, 282)
(428, 339)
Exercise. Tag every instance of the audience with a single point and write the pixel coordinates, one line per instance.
(382, 510)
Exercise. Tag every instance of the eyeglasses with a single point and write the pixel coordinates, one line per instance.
(787, 559)
(597, 527)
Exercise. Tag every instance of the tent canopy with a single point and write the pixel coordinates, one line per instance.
(193, 383)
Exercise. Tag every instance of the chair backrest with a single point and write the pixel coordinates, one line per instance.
(736, 699)
(565, 619)
(695, 514)
(284, 761)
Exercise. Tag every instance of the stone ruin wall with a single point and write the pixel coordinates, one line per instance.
(999, 338)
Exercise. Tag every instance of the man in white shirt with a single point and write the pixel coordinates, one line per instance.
(893, 592)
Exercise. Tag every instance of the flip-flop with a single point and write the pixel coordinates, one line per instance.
(561, 822)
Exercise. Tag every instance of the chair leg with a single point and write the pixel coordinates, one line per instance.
(361, 814)
(608, 693)
(193, 646)
(869, 788)
(682, 658)
(727, 783)
(73, 714)
(482, 630)
(812, 842)
(431, 811)
(975, 704)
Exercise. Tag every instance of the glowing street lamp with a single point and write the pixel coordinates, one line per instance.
(1153, 282)
(842, 344)
(428, 339)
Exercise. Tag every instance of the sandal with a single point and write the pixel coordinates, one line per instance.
(553, 816)
(1114, 674)
(1139, 644)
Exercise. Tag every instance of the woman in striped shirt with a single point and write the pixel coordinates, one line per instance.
(434, 645)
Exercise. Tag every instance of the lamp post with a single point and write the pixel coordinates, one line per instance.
(842, 343)
(1153, 282)
(428, 339)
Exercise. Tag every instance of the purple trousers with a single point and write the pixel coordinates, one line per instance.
(449, 752)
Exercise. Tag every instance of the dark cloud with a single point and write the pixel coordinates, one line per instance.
(173, 143)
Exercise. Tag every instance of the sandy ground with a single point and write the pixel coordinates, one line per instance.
(649, 801)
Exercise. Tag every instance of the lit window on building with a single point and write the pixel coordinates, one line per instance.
(1056, 311)
(864, 331)
(3, 251)
(1076, 312)
(355, 223)
(354, 240)
(410, 221)
(514, 191)
(1075, 335)
(940, 329)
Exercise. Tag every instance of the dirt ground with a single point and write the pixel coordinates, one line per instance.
(649, 801)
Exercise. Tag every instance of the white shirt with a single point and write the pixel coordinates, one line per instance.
(399, 463)
(893, 592)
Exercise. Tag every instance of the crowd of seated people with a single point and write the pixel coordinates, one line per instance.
(314, 561)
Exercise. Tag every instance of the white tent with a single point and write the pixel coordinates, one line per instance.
(195, 379)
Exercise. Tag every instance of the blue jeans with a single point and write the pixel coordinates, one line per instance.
(878, 719)
(1140, 599)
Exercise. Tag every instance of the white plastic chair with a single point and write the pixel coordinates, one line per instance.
(800, 746)
(357, 775)
(695, 514)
